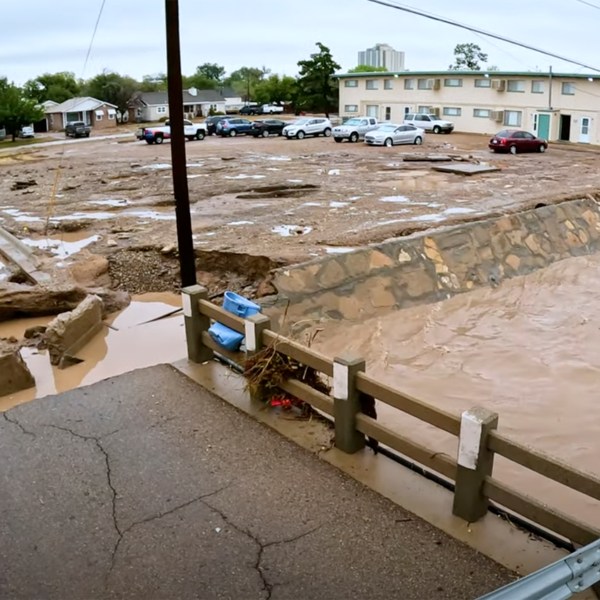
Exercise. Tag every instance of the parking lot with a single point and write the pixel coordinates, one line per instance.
(287, 200)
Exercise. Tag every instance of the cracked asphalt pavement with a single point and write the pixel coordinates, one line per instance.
(147, 486)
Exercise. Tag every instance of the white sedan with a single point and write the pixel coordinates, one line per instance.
(390, 135)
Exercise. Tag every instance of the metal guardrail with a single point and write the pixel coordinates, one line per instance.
(471, 473)
(561, 580)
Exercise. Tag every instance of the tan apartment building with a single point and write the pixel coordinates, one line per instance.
(554, 106)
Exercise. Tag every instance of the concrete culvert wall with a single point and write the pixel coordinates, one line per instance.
(432, 266)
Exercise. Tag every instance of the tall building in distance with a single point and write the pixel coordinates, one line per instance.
(382, 55)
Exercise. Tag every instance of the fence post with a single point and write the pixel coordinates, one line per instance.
(346, 405)
(475, 463)
(195, 323)
(254, 326)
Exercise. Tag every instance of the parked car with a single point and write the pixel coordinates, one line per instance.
(156, 135)
(233, 126)
(391, 134)
(300, 128)
(271, 109)
(77, 129)
(211, 123)
(513, 140)
(250, 109)
(429, 122)
(354, 129)
(27, 131)
(266, 127)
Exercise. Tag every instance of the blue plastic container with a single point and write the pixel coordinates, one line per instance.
(240, 306)
(237, 305)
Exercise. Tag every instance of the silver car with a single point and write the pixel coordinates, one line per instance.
(390, 135)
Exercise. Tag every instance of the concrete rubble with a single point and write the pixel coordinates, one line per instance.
(14, 373)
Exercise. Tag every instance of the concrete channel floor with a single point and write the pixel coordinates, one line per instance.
(147, 486)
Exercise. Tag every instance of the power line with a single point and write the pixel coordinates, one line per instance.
(421, 13)
(588, 4)
(87, 56)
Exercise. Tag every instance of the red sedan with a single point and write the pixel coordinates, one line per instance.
(513, 141)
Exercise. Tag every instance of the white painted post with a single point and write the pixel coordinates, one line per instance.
(475, 463)
(195, 323)
(347, 403)
(254, 327)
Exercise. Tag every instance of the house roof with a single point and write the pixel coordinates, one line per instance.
(78, 105)
(162, 98)
(482, 73)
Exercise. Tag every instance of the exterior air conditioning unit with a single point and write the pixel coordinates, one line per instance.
(435, 110)
(498, 116)
(437, 84)
(499, 84)
(430, 84)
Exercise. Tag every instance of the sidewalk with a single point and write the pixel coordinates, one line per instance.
(147, 486)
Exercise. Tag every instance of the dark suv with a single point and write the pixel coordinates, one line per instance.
(250, 110)
(211, 123)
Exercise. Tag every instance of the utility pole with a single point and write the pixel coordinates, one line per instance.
(185, 242)
(550, 88)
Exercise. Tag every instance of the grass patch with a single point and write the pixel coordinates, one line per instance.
(8, 143)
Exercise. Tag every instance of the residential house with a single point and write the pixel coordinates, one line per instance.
(555, 106)
(93, 112)
(43, 125)
(233, 101)
(152, 106)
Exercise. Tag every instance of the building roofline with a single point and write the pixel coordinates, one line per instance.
(494, 74)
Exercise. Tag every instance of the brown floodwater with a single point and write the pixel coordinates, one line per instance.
(142, 335)
(528, 350)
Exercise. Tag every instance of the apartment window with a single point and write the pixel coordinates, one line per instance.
(537, 87)
(388, 84)
(568, 89)
(351, 83)
(388, 113)
(161, 110)
(409, 84)
(372, 110)
(512, 118)
(423, 110)
(425, 84)
(515, 85)
(452, 111)
(349, 108)
(482, 113)
(483, 83)
(372, 84)
(453, 82)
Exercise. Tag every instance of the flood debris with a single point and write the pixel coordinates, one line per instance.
(71, 331)
(14, 373)
(23, 184)
(466, 169)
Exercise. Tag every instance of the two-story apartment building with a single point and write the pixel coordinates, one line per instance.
(555, 106)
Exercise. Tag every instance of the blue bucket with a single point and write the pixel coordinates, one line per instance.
(226, 337)
(240, 306)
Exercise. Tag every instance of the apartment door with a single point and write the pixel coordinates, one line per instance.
(565, 128)
(584, 131)
(543, 126)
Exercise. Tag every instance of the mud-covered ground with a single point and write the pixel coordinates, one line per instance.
(284, 200)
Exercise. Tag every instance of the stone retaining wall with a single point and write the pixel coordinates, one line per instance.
(432, 266)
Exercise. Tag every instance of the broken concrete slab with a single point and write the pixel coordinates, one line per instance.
(17, 253)
(70, 331)
(466, 169)
(427, 158)
(14, 373)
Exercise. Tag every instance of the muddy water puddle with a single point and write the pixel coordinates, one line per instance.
(149, 331)
(528, 350)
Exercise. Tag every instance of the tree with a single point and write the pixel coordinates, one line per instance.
(206, 77)
(156, 82)
(275, 90)
(112, 88)
(211, 71)
(316, 88)
(244, 81)
(467, 57)
(52, 86)
(367, 69)
(15, 109)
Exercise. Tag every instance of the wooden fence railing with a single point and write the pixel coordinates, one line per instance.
(476, 429)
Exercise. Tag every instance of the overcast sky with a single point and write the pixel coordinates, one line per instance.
(53, 35)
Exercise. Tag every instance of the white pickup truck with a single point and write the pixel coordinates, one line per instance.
(156, 135)
(428, 122)
(271, 109)
(354, 129)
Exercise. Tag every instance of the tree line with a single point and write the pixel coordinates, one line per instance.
(313, 89)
